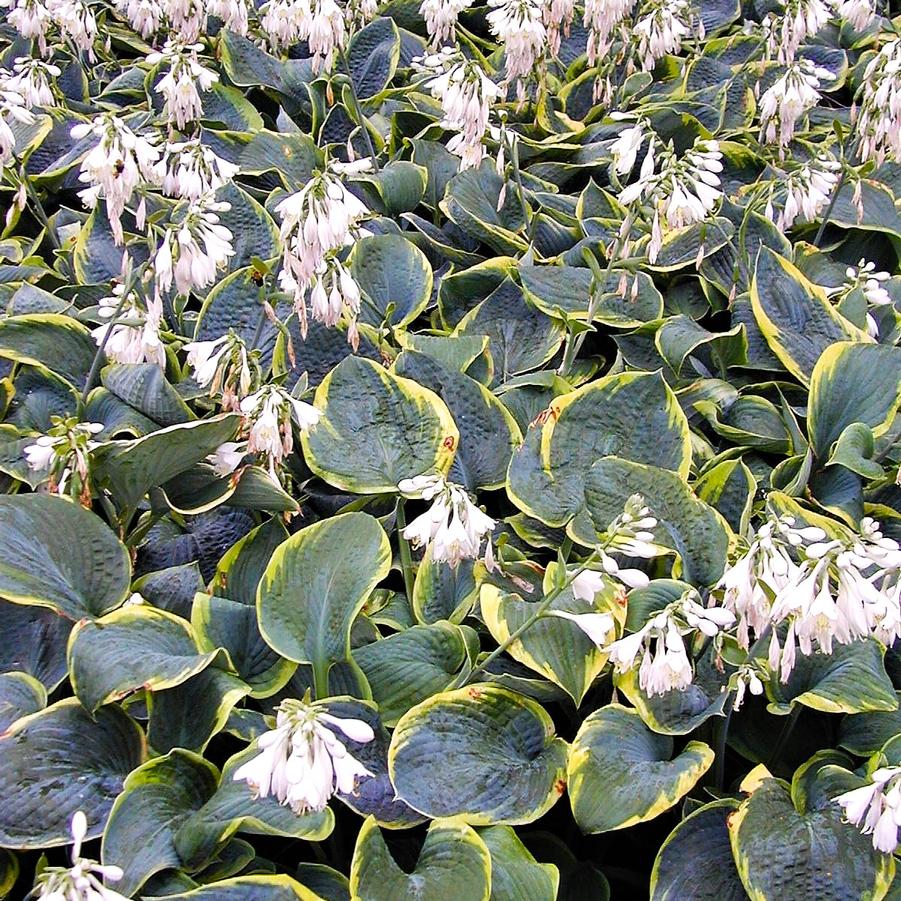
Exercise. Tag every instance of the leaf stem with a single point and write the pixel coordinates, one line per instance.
(533, 618)
(320, 679)
(837, 190)
(98, 356)
(406, 557)
(787, 729)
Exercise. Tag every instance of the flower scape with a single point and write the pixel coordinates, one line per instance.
(449, 450)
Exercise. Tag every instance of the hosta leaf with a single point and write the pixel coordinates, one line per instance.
(171, 589)
(620, 773)
(20, 695)
(84, 577)
(852, 679)
(247, 888)
(793, 845)
(410, 666)
(698, 534)
(134, 647)
(554, 647)
(488, 433)
(34, 642)
(443, 592)
(377, 429)
(391, 271)
(729, 487)
(222, 623)
(60, 343)
(315, 585)
(515, 874)
(156, 799)
(131, 468)
(695, 862)
(864, 734)
(373, 55)
(399, 186)
(495, 747)
(143, 386)
(61, 760)
(454, 863)
(852, 383)
(795, 316)
(633, 415)
(233, 808)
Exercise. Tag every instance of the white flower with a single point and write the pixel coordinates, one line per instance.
(557, 16)
(466, 94)
(268, 413)
(806, 191)
(12, 110)
(453, 527)
(788, 99)
(194, 248)
(746, 679)
(601, 17)
(145, 16)
(189, 169)
(222, 365)
(32, 79)
(183, 84)
(518, 25)
(80, 882)
(586, 585)
(320, 218)
(800, 20)
(857, 13)
(232, 12)
(121, 163)
(875, 808)
(303, 762)
(661, 31)
(75, 20)
(625, 149)
(135, 336)
(325, 33)
(282, 21)
(597, 626)
(441, 18)
(187, 18)
(878, 124)
(227, 457)
(32, 19)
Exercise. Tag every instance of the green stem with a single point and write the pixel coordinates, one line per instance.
(98, 356)
(406, 557)
(722, 733)
(358, 111)
(784, 736)
(320, 679)
(258, 331)
(821, 230)
(526, 212)
(540, 610)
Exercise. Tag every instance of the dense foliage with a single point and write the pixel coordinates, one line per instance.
(449, 451)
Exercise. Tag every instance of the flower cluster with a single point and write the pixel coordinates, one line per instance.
(189, 170)
(466, 94)
(878, 123)
(601, 18)
(222, 365)
(819, 590)
(268, 416)
(682, 190)
(81, 881)
(131, 332)
(661, 30)
(803, 192)
(876, 807)
(63, 454)
(13, 111)
(186, 79)
(441, 18)
(869, 284)
(320, 219)
(519, 26)
(453, 527)
(304, 761)
(787, 100)
(800, 19)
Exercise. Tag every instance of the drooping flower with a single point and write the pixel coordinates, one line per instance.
(320, 218)
(804, 191)
(12, 110)
(800, 19)
(233, 13)
(788, 99)
(227, 457)
(145, 16)
(282, 21)
(32, 79)
(875, 808)
(187, 18)
(557, 16)
(304, 760)
(857, 13)
(81, 881)
(661, 31)
(134, 335)
(76, 21)
(183, 84)
(601, 17)
(325, 33)
(63, 455)
(268, 415)
(441, 18)
(453, 527)
(869, 283)
(222, 365)
(193, 248)
(599, 627)
(334, 295)
(518, 25)
(878, 123)
(32, 19)
(190, 169)
(625, 148)
(121, 163)
(746, 679)
(466, 94)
